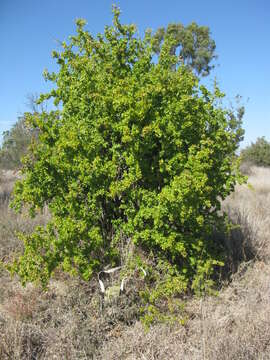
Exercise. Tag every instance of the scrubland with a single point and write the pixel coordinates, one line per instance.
(67, 322)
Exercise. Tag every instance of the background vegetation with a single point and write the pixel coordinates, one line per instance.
(15, 144)
(257, 153)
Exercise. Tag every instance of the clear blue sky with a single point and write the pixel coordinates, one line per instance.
(29, 30)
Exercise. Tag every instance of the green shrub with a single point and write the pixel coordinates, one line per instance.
(139, 151)
(257, 153)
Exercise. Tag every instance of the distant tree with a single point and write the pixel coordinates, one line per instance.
(32, 102)
(257, 153)
(15, 144)
(17, 140)
(192, 44)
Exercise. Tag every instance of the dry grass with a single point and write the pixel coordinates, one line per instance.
(260, 179)
(11, 223)
(235, 325)
(66, 321)
(7, 179)
(249, 206)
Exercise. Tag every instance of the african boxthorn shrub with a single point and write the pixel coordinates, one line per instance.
(138, 150)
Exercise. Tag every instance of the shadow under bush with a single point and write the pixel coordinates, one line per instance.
(237, 242)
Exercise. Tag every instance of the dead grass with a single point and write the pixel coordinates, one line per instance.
(7, 179)
(236, 325)
(260, 180)
(249, 207)
(66, 322)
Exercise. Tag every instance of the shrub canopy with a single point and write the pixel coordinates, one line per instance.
(139, 150)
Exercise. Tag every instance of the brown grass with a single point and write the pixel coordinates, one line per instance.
(66, 322)
(249, 206)
(7, 179)
(235, 325)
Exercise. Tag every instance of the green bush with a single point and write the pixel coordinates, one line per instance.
(139, 151)
(257, 153)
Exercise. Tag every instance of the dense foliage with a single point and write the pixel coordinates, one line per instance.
(257, 153)
(139, 152)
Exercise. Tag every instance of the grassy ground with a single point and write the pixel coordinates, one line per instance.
(67, 322)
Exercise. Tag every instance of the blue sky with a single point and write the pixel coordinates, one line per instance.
(29, 30)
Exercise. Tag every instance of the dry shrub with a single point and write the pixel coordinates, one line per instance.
(47, 325)
(20, 341)
(20, 303)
